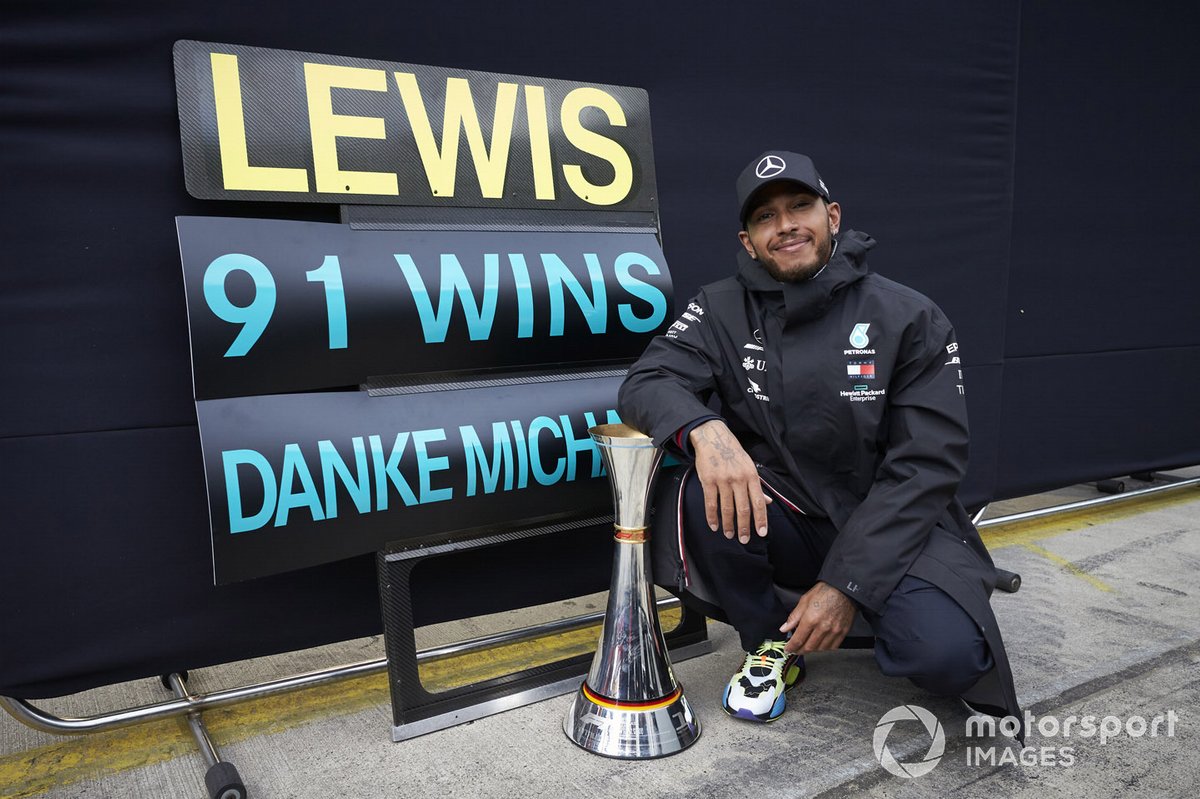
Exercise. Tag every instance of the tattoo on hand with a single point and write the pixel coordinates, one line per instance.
(720, 442)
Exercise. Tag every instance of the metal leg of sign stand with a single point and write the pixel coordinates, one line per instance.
(222, 778)
(416, 711)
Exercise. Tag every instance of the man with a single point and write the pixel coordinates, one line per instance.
(821, 407)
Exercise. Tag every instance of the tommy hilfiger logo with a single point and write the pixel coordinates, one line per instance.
(860, 370)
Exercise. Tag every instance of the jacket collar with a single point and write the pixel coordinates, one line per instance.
(811, 298)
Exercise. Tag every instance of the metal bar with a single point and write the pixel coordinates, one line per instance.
(1086, 503)
(978, 515)
(198, 731)
(39, 719)
(525, 633)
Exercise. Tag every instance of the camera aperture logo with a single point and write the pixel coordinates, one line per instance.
(937, 743)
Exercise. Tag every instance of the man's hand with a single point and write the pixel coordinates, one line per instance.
(733, 496)
(819, 621)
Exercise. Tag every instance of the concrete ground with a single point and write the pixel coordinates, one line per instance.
(1106, 625)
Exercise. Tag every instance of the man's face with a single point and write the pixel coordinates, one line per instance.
(789, 230)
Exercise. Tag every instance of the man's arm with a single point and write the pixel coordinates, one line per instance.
(664, 394)
(666, 388)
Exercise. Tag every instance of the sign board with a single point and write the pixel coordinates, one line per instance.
(527, 253)
(278, 306)
(261, 124)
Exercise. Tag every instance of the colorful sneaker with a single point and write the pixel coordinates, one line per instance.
(756, 692)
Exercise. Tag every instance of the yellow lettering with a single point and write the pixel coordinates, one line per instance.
(231, 136)
(441, 166)
(326, 126)
(594, 144)
(539, 142)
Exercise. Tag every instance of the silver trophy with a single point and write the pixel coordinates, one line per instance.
(630, 706)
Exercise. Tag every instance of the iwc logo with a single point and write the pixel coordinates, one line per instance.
(770, 166)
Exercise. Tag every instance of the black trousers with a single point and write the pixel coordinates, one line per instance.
(922, 633)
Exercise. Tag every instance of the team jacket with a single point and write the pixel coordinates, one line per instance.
(847, 390)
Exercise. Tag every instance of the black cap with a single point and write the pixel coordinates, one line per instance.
(776, 165)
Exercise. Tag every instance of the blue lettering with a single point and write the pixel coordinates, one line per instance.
(595, 308)
(502, 458)
(426, 464)
(231, 459)
(641, 290)
(390, 471)
(294, 468)
(524, 295)
(357, 484)
(535, 461)
(522, 455)
(479, 316)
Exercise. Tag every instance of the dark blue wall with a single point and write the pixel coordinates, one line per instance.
(1032, 167)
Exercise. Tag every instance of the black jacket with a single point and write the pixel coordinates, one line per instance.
(848, 387)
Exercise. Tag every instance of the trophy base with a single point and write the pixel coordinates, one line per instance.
(631, 730)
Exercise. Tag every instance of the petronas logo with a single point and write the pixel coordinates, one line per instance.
(858, 336)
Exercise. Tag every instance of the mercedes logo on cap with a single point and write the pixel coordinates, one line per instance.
(769, 166)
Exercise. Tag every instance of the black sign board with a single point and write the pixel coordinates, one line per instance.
(301, 479)
(413, 372)
(278, 306)
(457, 331)
(262, 124)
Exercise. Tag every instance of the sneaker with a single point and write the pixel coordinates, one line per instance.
(756, 692)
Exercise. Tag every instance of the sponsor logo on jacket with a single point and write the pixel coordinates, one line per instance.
(864, 393)
(757, 391)
(952, 348)
(858, 336)
(861, 370)
(859, 340)
(693, 314)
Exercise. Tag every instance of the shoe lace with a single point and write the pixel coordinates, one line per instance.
(766, 656)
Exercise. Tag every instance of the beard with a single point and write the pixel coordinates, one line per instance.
(798, 273)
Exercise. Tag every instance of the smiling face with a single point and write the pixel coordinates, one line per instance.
(789, 230)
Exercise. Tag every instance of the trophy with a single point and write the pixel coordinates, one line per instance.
(630, 706)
